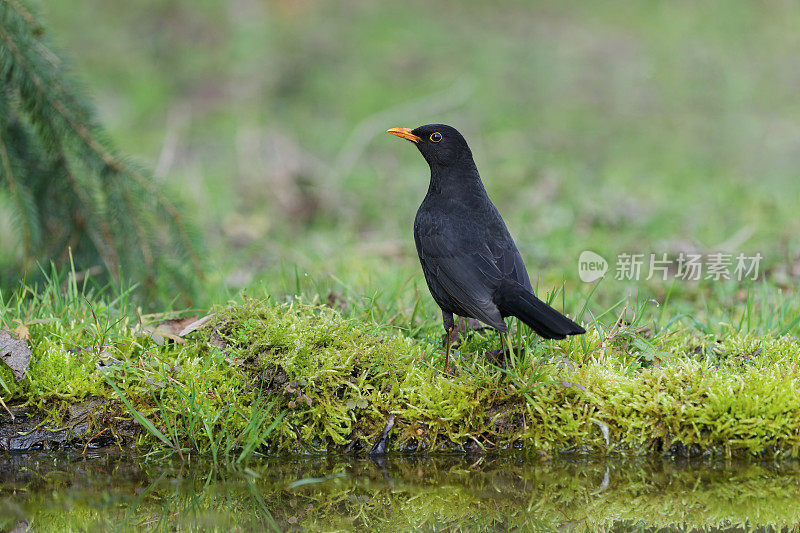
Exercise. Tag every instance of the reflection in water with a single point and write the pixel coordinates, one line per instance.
(114, 490)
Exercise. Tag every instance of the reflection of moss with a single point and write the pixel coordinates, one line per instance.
(476, 493)
(334, 382)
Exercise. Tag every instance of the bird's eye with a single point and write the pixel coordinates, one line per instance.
(436, 136)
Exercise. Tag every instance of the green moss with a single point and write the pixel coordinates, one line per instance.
(62, 374)
(341, 380)
(301, 377)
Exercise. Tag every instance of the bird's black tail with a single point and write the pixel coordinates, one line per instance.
(520, 302)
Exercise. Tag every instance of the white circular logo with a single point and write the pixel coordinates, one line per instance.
(591, 266)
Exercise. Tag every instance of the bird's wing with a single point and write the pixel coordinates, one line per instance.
(509, 262)
(468, 273)
(504, 252)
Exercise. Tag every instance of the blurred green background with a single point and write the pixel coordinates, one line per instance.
(610, 126)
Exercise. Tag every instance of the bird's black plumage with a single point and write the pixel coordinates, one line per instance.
(470, 261)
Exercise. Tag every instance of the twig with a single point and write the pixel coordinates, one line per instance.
(91, 439)
(7, 409)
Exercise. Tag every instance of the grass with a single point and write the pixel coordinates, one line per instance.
(89, 344)
(270, 374)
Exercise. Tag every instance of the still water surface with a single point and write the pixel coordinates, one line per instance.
(107, 491)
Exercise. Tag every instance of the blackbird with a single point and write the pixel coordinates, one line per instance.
(471, 264)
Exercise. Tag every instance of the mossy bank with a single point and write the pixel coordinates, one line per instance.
(267, 376)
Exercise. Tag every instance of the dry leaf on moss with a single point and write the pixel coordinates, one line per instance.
(15, 353)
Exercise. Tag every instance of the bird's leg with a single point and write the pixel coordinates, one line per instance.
(449, 326)
(447, 351)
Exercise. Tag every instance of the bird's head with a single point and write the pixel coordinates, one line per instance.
(440, 145)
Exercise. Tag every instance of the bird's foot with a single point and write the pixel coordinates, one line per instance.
(449, 357)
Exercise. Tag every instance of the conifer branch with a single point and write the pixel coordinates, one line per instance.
(26, 15)
(111, 161)
(12, 185)
(104, 239)
(71, 186)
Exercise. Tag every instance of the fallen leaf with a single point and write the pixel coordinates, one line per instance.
(568, 384)
(160, 333)
(22, 332)
(150, 333)
(178, 324)
(15, 353)
(197, 324)
(168, 330)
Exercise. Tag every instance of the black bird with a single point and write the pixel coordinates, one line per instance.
(470, 261)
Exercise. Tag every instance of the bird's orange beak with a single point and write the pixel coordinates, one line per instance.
(405, 133)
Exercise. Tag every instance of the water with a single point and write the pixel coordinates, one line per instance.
(106, 491)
